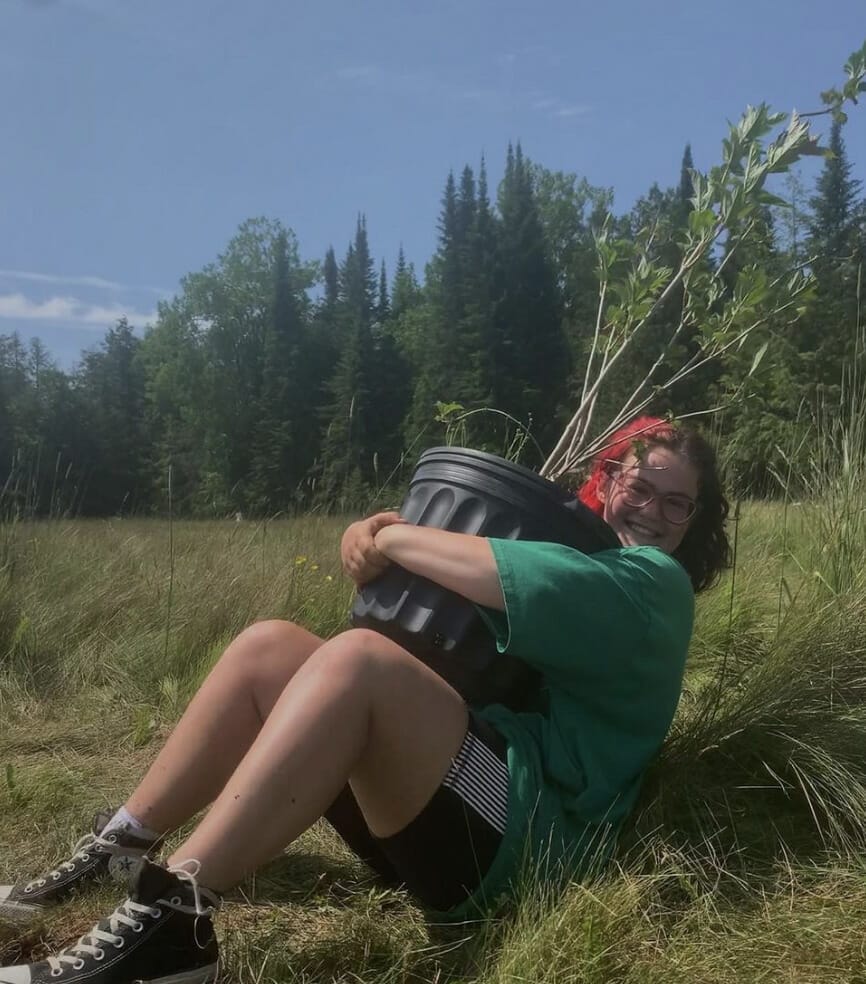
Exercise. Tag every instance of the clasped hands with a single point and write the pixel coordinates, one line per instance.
(361, 560)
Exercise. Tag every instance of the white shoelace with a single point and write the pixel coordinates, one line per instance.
(123, 915)
(191, 879)
(87, 843)
(128, 915)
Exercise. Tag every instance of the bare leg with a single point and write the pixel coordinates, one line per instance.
(360, 708)
(220, 723)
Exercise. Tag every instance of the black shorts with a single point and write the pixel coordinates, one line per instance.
(443, 854)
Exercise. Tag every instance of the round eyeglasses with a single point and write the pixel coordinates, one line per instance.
(637, 492)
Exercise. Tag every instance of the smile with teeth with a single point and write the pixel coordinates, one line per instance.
(642, 530)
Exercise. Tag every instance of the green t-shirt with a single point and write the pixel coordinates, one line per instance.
(609, 633)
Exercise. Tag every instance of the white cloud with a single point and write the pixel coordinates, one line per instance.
(556, 109)
(566, 111)
(425, 84)
(99, 283)
(70, 309)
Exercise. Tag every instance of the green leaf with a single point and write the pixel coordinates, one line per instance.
(856, 64)
(445, 411)
(759, 355)
(792, 144)
(850, 89)
(701, 222)
(765, 198)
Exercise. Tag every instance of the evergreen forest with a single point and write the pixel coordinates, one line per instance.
(272, 383)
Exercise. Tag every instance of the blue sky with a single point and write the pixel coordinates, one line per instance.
(137, 136)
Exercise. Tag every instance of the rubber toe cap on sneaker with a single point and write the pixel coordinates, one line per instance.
(15, 975)
(13, 910)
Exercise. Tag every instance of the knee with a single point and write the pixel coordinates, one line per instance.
(269, 643)
(361, 642)
(357, 652)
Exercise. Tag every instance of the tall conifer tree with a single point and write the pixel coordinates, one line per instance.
(331, 277)
(279, 436)
(405, 293)
(383, 305)
(349, 468)
(530, 356)
(836, 243)
(113, 379)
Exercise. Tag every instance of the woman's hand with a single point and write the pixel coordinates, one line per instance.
(361, 560)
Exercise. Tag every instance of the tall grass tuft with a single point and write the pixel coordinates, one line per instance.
(86, 604)
(743, 861)
(767, 759)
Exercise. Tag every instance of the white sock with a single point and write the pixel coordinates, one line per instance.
(124, 820)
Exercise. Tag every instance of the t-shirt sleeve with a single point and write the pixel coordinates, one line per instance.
(564, 608)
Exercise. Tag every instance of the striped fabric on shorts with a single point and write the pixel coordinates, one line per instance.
(443, 854)
(481, 780)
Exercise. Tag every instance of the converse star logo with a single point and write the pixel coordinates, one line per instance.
(121, 866)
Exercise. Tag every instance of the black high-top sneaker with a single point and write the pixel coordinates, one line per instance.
(162, 934)
(94, 855)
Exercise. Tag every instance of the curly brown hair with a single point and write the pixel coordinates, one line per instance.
(704, 551)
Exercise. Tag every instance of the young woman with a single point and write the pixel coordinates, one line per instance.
(455, 801)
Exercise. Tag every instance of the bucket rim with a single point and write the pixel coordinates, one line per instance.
(489, 458)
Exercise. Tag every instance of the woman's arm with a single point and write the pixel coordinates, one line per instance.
(457, 561)
(361, 560)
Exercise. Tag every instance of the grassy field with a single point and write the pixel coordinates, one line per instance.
(744, 862)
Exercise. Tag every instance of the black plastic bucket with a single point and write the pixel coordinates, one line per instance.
(468, 491)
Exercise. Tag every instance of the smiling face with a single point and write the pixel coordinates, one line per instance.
(668, 475)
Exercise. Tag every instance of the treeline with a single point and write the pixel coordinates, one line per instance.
(271, 383)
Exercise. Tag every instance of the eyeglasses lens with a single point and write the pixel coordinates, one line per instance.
(675, 509)
(678, 511)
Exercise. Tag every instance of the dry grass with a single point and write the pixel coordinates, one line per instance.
(744, 861)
